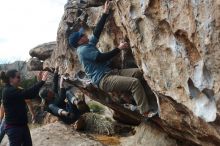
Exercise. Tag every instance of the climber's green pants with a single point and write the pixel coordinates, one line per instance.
(126, 80)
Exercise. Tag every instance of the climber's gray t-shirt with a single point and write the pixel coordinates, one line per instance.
(87, 56)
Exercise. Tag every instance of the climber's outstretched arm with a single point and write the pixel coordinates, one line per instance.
(55, 81)
(100, 25)
(109, 55)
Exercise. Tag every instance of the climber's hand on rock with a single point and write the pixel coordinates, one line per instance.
(44, 76)
(107, 7)
(123, 45)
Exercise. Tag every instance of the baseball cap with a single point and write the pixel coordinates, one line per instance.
(75, 37)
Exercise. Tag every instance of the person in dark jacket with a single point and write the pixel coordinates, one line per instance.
(15, 107)
(61, 102)
(2, 122)
(97, 66)
(2, 115)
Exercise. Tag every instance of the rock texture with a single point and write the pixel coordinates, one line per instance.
(148, 135)
(175, 43)
(175, 119)
(34, 64)
(41, 56)
(43, 51)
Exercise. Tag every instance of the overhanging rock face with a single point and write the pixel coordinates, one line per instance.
(175, 43)
(175, 120)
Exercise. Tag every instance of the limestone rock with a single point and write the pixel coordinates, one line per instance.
(47, 64)
(43, 51)
(148, 135)
(175, 119)
(34, 64)
(171, 41)
(175, 43)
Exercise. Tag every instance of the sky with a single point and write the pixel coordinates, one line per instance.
(24, 24)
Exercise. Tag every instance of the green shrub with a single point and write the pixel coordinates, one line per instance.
(96, 107)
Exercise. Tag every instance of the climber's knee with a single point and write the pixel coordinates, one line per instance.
(138, 73)
(136, 83)
(51, 106)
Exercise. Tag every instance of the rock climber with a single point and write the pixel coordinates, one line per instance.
(61, 103)
(96, 65)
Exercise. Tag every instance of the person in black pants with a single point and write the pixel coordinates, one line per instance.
(54, 101)
(15, 107)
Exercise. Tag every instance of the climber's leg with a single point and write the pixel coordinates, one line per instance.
(117, 83)
(131, 72)
(58, 111)
(70, 97)
(137, 73)
(72, 108)
(151, 96)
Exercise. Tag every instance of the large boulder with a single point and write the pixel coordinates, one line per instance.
(34, 64)
(43, 51)
(171, 43)
(175, 43)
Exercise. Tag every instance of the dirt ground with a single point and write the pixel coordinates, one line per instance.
(58, 134)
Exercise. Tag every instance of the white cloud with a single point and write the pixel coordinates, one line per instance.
(26, 24)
